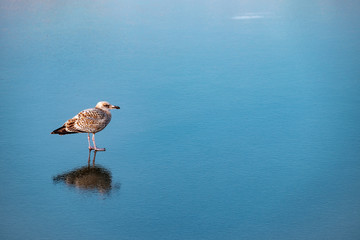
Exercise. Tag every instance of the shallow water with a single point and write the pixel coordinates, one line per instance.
(238, 120)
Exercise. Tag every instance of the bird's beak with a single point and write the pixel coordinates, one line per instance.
(114, 107)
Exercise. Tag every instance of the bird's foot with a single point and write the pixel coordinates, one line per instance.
(99, 149)
(96, 149)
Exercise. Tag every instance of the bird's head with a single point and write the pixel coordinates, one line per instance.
(106, 106)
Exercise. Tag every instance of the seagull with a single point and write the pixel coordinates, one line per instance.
(88, 121)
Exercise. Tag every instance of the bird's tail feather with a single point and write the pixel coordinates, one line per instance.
(62, 131)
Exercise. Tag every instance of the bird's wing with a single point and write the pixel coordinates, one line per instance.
(70, 125)
(89, 120)
(92, 114)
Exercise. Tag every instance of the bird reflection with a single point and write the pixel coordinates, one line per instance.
(90, 178)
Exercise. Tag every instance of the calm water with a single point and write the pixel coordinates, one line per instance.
(238, 119)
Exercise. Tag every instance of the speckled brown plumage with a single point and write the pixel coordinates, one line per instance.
(91, 120)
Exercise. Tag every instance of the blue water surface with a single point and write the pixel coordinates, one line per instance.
(238, 120)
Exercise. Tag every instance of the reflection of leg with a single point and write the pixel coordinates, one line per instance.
(93, 158)
(89, 157)
(90, 148)
(95, 148)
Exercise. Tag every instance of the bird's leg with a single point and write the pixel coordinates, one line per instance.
(95, 148)
(90, 148)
